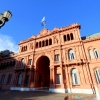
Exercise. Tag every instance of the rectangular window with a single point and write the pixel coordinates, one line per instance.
(30, 62)
(2, 79)
(57, 57)
(75, 77)
(97, 75)
(9, 79)
(58, 79)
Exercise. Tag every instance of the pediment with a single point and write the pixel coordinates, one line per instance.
(43, 32)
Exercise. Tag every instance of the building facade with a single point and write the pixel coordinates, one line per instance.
(59, 60)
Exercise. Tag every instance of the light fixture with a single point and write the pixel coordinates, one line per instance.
(5, 17)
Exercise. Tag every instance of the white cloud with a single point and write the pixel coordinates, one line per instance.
(7, 43)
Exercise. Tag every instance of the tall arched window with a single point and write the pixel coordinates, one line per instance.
(71, 36)
(96, 53)
(9, 79)
(36, 44)
(22, 62)
(91, 54)
(25, 48)
(20, 78)
(22, 49)
(40, 44)
(46, 42)
(68, 37)
(75, 76)
(43, 43)
(50, 41)
(97, 75)
(64, 37)
(2, 79)
(71, 54)
(14, 62)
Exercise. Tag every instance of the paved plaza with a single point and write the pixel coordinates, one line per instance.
(40, 95)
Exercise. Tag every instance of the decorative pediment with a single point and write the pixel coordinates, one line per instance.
(44, 32)
(33, 37)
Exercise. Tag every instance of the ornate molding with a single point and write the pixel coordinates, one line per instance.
(44, 32)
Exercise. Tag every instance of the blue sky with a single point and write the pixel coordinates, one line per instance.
(27, 16)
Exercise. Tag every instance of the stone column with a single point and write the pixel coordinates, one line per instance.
(35, 78)
(31, 78)
(62, 77)
(52, 77)
(15, 79)
(23, 79)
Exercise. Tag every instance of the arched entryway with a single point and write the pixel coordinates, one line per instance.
(42, 72)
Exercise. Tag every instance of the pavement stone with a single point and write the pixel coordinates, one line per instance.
(41, 95)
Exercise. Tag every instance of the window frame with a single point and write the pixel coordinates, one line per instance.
(96, 54)
(71, 54)
(58, 79)
(97, 75)
(9, 81)
(75, 77)
(2, 79)
(57, 57)
(30, 62)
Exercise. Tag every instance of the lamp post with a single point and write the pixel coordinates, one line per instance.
(4, 18)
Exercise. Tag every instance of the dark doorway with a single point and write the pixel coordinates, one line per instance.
(43, 72)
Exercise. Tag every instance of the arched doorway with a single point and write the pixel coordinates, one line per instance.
(43, 72)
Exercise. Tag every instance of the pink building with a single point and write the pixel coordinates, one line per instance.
(59, 60)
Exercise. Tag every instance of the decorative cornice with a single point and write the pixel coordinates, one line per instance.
(46, 32)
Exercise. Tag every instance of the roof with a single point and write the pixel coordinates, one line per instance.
(96, 35)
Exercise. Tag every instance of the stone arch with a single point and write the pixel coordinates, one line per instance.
(45, 54)
(42, 71)
(96, 67)
(71, 36)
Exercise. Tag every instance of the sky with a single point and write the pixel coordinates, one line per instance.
(27, 15)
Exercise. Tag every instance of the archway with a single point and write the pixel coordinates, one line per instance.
(43, 72)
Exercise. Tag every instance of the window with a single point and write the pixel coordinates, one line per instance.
(71, 55)
(58, 79)
(96, 53)
(57, 57)
(40, 44)
(64, 37)
(19, 79)
(9, 79)
(75, 76)
(71, 36)
(36, 44)
(14, 62)
(68, 37)
(46, 42)
(50, 41)
(30, 62)
(22, 62)
(2, 79)
(97, 75)
(91, 54)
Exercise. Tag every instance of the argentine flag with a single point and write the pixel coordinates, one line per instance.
(43, 21)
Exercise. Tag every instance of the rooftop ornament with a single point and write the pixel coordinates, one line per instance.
(4, 18)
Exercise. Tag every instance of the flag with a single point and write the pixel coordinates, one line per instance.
(43, 21)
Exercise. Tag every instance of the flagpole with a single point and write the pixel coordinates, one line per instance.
(44, 25)
(43, 22)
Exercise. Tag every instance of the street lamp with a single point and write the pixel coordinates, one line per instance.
(4, 17)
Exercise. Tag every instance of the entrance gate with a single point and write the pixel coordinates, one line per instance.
(43, 72)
